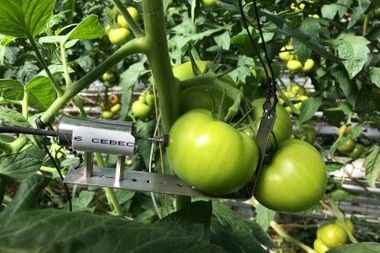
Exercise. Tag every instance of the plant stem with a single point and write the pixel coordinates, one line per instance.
(25, 104)
(341, 220)
(40, 58)
(136, 30)
(133, 46)
(17, 144)
(66, 74)
(365, 24)
(281, 232)
(158, 56)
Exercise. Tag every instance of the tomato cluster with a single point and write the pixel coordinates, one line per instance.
(348, 146)
(217, 159)
(110, 107)
(119, 33)
(292, 63)
(332, 235)
(143, 107)
(296, 94)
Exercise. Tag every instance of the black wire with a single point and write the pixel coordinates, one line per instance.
(255, 47)
(40, 124)
(25, 130)
(273, 82)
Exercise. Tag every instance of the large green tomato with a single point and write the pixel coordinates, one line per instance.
(294, 180)
(332, 235)
(211, 155)
(185, 71)
(118, 36)
(282, 128)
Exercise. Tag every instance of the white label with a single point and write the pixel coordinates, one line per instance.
(103, 140)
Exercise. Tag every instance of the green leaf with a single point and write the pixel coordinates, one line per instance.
(264, 216)
(13, 117)
(87, 29)
(374, 75)
(58, 231)
(198, 212)
(347, 86)
(11, 89)
(358, 12)
(127, 82)
(361, 247)
(22, 18)
(41, 93)
(223, 40)
(372, 165)
(353, 51)
(309, 107)
(340, 7)
(19, 166)
(81, 202)
(311, 27)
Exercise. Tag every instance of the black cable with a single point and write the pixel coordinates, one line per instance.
(255, 47)
(25, 130)
(40, 124)
(273, 82)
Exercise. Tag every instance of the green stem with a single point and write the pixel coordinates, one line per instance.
(281, 232)
(341, 220)
(18, 144)
(44, 65)
(25, 104)
(110, 194)
(158, 56)
(365, 24)
(134, 46)
(131, 23)
(2, 189)
(66, 74)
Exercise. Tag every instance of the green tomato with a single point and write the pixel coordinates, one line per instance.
(208, 3)
(211, 155)
(108, 76)
(320, 247)
(185, 70)
(115, 108)
(294, 65)
(122, 22)
(358, 151)
(347, 147)
(282, 128)
(308, 66)
(141, 110)
(294, 180)
(297, 90)
(149, 98)
(107, 115)
(118, 36)
(332, 235)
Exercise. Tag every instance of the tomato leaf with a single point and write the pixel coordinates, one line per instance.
(347, 86)
(13, 117)
(264, 216)
(374, 75)
(353, 51)
(59, 231)
(362, 247)
(19, 166)
(11, 90)
(340, 7)
(22, 18)
(309, 107)
(372, 165)
(87, 29)
(41, 93)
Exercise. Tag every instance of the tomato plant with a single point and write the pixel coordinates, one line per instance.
(300, 183)
(214, 165)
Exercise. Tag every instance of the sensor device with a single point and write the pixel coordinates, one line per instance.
(89, 135)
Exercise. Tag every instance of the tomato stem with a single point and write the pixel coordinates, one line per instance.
(341, 220)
